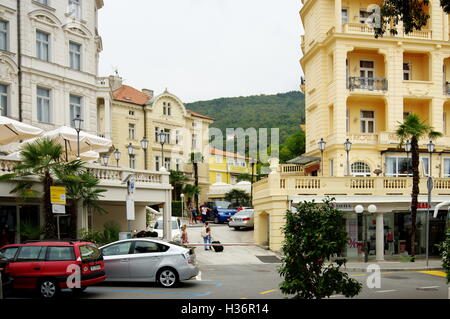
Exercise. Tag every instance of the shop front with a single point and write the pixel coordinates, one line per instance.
(18, 223)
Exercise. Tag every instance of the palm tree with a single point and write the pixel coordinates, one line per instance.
(191, 191)
(238, 197)
(196, 158)
(177, 180)
(39, 159)
(414, 129)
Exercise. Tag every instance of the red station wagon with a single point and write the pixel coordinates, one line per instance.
(46, 265)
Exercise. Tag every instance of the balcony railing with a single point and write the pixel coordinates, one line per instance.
(369, 84)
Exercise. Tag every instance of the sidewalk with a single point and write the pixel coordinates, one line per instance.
(418, 265)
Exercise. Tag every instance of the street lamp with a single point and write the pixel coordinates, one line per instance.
(130, 150)
(105, 159)
(430, 147)
(117, 156)
(182, 204)
(407, 150)
(359, 209)
(162, 136)
(348, 147)
(322, 145)
(77, 122)
(144, 145)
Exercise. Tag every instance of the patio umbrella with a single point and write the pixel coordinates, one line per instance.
(13, 131)
(86, 156)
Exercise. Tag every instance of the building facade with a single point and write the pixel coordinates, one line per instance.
(138, 114)
(360, 88)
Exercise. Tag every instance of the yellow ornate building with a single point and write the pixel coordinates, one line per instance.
(360, 88)
(137, 114)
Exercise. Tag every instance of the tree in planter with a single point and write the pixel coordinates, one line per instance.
(314, 234)
(177, 180)
(444, 249)
(414, 129)
(191, 191)
(39, 159)
(238, 197)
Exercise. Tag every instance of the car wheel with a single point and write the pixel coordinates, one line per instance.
(48, 288)
(168, 278)
(216, 220)
(237, 228)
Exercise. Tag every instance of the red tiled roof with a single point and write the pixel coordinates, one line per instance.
(130, 95)
(195, 114)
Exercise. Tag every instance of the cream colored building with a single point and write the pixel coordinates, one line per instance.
(359, 88)
(138, 114)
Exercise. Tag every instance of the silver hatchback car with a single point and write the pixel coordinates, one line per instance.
(243, 218)
(149, 260)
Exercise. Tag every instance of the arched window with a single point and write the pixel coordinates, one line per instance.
(360, 169)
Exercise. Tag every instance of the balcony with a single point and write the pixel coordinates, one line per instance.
(367, 84)
(361, 28)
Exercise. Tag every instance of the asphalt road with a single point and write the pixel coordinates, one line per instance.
(247, 271)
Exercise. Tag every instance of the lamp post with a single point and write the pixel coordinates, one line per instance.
(348, 147)
(407, 150)
(130, 149)
(77, 122)
(182, 205)
(322, 145)
(144, 145)
(117, 156)
(359, 209)
(430, 147)
(105, 160)
(162, 140)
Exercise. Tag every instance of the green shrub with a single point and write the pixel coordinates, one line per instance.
(29, 231)
(109, 234)
(444, 249)
(176, 208)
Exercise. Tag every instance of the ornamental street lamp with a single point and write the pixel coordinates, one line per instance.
(144, 145)
(117, 156)
(359, 209)
(322, 145)
(77, 122)
(407, 150)
(130, 150)
(162, 138)
(105, 159)
(430, 147)
(348, 147)
(182, 204)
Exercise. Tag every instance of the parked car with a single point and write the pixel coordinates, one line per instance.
(176, 228)
(44, 265)
(242, 219)
(6, 279)
(222, 211)
(149, 260)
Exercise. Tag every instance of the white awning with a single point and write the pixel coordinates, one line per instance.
(12, 131)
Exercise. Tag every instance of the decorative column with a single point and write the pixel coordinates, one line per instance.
(380, 237)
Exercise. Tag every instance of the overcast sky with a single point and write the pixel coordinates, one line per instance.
(203, 49)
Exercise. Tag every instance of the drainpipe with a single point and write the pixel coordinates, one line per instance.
(19, 57)
(145, 136)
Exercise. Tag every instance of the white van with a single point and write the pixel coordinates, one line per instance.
(176, 228)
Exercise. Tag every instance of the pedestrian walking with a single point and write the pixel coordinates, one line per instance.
(206, 234)
(184, 235)
(204, 210)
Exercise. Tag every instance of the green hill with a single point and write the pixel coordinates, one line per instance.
(285, 111)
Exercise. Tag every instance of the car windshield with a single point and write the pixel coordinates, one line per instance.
(159, 225)
(223, 204)
(244, 213)
(90, 253)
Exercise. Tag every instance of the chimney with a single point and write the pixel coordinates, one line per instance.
(115, 82)
(148, 92)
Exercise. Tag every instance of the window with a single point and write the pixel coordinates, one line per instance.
(90, 253)
(167, 131)
(131, 113)
(3, 100)
(218, 178)
(132, 161)
(4, 35)
(75, 8)
(75, 56)
(194, 141)
(367, 121)
(407, 71)
(43, 46)
(219, 159)
(44, 2)
(43, 105)
(131, 131)
(75, 108)
(360, 169)
(31, 253)
(425, 166)
(157, 164)
(9, 253)
(169, 109)
(145, 247)
(117, 249)
(344, 15)
(444, 123)
(331, 163)
(60, 254)
(159, 225)
(364, 16)
(178, 164)
(167, 163)
(156, 134)
(177, 137)
(446, 172)
(397, 166)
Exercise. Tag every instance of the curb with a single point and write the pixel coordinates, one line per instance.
(359, 269)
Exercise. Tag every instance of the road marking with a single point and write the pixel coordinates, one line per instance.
(434, 273)
(267, 292)
(359, 275)
(382, 291)
(187, 295)
(199, 276)
(431, 287)
(336, 296)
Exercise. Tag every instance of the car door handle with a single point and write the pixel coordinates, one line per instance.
(124, 260)
(37, 268)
